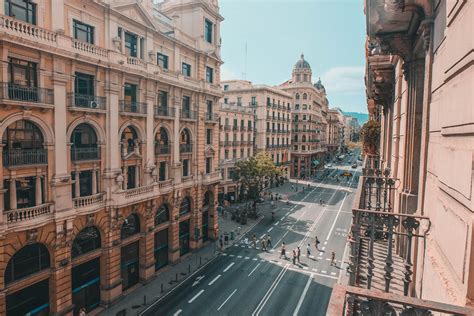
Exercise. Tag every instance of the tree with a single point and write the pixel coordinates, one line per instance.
(253, 173)
(370, 133)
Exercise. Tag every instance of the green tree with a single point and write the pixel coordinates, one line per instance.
(253, 173)
(370, 133)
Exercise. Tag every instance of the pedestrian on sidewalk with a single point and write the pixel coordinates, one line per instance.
(221, 244)
(269, 241)
(316, 243)
(298, 254)
(264, 246)
(82, 312)
(283, 250)
(294, 256)
(333, 258)
(308, 251)
(254, 241)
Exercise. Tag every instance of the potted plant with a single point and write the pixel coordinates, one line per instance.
(370, 132)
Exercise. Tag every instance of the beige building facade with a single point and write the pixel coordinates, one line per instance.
(309, 127)
(272, 114)
(109, 158)
(236, 126)
(335, 131)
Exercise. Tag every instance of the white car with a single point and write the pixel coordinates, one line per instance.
(328, 165)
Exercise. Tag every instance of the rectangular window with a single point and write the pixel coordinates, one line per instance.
(209, 75)
(130, 93)
(226, 154)
(254, 100)
(83, 32)
(226, 87)
(208, 165)
(208, 31)
(186, 69)
(209, 136)
(239, 101)
(162, 99)
(162, 171)
(162, 60)
(242, 153)
(234, 153)
(226, 100)
(131, 44)
(22, 10)
(186, 106)
(22, 72)
(185, 167)
(84, 84)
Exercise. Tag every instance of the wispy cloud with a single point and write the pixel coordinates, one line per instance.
(227, 74)
(344, 80)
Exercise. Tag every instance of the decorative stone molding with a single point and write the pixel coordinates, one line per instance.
(31, 236)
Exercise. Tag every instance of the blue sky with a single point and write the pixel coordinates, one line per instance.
(330, 33)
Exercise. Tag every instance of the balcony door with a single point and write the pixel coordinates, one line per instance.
(84, 89)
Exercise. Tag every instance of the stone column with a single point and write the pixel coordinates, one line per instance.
(147, 254)
(173, 234)
(77, 184)
(150, 137)
(12, 193)
(176, 162)
(110, 274)
(38, 189)
(2, 193)
(137, 176)
(94, 181)
(122, 36)
(58, 20)
(139, 48)
(125, 177)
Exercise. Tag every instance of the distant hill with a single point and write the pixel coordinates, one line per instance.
(361, 117)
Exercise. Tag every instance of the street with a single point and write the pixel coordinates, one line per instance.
(248, 281)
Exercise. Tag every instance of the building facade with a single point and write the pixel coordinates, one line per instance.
(335, 131)
(110, 146)
(419, 82)
(272, 109)
(309, 128)
(236, 143)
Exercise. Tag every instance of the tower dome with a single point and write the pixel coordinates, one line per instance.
(302, 63)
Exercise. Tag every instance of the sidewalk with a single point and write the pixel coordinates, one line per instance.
(133, 300)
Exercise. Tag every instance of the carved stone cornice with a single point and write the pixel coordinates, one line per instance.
(399, 44)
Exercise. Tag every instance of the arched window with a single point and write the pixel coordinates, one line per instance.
(185, 206)
(130, 227)
(22, 134)
(87, 240)
(296, 138)
(207, 198)
(185, 137)
(305, 96)
(297, 96)
(162, 214)
(303, 138)
(28, 260)
(162, 137)
(84, 136)
(130, 138)
(162, 143)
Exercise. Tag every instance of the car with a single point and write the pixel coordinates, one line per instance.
(328, 165)
(354, 166)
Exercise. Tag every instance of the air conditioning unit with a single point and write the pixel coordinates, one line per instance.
(93, 104)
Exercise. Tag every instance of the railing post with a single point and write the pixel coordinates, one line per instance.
(410, 224)
(354, 243)
(391, 222)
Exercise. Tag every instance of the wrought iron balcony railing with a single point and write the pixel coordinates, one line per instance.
(185, 148)
(132, 107)
(211, 117)
(162, 149)
(164, 111)
(84, 101)
(24, 157)
(85, 153)
(190, 115)
(16, 92)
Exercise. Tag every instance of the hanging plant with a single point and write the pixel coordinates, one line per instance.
(370, 132)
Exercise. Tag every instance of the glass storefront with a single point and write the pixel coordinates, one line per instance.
(161, 249)
(184, 237)
(33, 300)
(86, 286)
(129, 265)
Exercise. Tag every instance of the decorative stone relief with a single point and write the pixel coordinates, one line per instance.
(31, 236)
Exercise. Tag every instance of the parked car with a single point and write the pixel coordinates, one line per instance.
(354, 166)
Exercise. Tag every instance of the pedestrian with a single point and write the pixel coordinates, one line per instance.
(269, 241)
(294, 256)
(264, 247)
(82, 312)
(254, 241)
(221, 244)
(298, 254)
(317, 242)
(308, 250)
(292, 187)
(283, 250)
(333, 258)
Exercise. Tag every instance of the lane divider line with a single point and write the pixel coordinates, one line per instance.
(300, 302)
(270, 291)
(228, 298)
(253, 270)
(195, 296)
(230, 265)
(214, 280)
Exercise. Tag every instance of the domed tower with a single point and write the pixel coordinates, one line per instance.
(302, 71)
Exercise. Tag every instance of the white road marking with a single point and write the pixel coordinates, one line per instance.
(300, 302)
(315, 270)
(262, 236)
(277, 223)
(224, 254)
(229, 266)
(240, 257)
(270, 229)
(305, 268)
(337, 215)
(253, 270)
(247, 258)
(333, 273)
(214, 280)
(323, 248)
(195, 296)
(254, 259)
(231, 255)
(228, 298)
(270, 291)
(178, 312)
(324, 271)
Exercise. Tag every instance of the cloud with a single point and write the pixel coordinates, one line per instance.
(227, 74)
(344, 80)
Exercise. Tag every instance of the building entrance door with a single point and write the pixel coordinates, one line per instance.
(129, 265)
(86, 285)
(184, 237)
(33, 300)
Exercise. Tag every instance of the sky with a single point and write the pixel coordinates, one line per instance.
(330, 33)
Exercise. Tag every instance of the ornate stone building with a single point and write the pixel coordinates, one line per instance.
(109, 153)
(272, 109)
(335, 131)
(237, 124)
(417, 190)
(309, 120)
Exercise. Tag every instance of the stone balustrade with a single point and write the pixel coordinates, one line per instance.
(165, 183)
(212, 177)
(27, 214)
(26, 30)
(130, 193)
(90, 200)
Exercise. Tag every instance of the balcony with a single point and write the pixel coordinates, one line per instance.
(165, 112)
(211, 178)
(131, 107)
(86, 102)
(349, 300)
(85, 153)
(211, 117)
(23, 93)
(135, 195)
(235, 128)
(186, 148)
(162, 149)
(188, 115)
(85, 204)
(27, 214)
(227, 127)
(243, 128)
(24, 157)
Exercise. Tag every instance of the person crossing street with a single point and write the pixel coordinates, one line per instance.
(317, 242)
(333, 258)
(269, 241)
(283, 250)
(298, 254)
(254, 241)
(264, 246)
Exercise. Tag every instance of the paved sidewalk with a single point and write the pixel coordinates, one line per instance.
(171, 276)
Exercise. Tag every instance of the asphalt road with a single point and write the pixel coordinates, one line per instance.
(248, 281)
